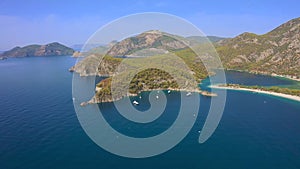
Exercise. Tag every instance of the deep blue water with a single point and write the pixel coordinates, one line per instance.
(39, 127)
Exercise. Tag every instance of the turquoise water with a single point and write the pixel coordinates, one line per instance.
(39, 127)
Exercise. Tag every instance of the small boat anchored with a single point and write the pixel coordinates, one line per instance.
(188, 94)
(135, 102)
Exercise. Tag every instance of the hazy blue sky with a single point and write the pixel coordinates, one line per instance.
(71, 22)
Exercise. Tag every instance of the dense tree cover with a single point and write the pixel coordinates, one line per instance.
(148, 79)
(182, 72)
(151, 79)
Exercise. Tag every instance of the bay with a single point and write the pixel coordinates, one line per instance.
(39, 127)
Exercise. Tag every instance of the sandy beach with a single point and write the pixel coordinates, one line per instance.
(297, 98)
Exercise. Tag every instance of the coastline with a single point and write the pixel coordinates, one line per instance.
(287, 77)
(94, 100)
(287, 96)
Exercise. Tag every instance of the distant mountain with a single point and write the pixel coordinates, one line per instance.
(87, 47)
(276, 52)
(155, 42)
(51, 49)
(203, 39)
(149, 43)
(152, 41)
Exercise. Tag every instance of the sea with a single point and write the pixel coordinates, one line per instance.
(39, 127)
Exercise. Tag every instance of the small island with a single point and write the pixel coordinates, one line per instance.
(51, 49)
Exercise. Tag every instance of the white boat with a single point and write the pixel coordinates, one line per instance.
(157, 97)
(135, 102)
(169, 91)
(188, 94)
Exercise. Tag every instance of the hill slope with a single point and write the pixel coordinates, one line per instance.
(276, 52)
(148, 40)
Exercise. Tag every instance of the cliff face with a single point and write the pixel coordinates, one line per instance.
(52, 49)
(275, 52)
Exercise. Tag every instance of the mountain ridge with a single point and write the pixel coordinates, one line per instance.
(276, 52)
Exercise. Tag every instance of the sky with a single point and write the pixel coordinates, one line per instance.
(72, 22)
